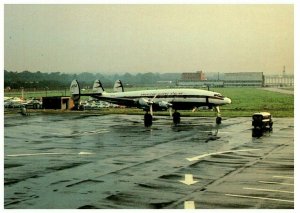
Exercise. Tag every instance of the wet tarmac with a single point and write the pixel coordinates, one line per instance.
(78, 161)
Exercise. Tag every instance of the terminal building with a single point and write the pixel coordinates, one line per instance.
(207, 83)
(193, 76)
(279, 81)
(236, 79)
(240, 79)
(198, 79)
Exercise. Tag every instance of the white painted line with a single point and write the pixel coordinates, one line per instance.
(214, 132)
(46, 153)
(189, 180)
(271, 182)
(268, 190)
(34, 154)
(84, 153)
(89, 133)
(260, 198)
(217, 153)
(189, 205)
(92, 132)
(224, 132)
(287, 177)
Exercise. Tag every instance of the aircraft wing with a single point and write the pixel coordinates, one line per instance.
(120, 101)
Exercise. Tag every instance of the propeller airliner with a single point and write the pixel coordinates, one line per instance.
(155, 100)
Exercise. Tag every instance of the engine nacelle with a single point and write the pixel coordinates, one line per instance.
(164, 104)
(143, 102)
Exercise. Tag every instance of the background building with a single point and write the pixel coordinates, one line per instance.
(58, 102)
(279, 80)
(198, 79)
(253, 79)
(193, 76)
(207, 83)
(239, 79)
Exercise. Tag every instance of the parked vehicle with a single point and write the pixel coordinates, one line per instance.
(33, 103)
(262, 120)
(13, 102)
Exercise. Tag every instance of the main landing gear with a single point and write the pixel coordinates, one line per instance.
(147, 119)
(176, 118)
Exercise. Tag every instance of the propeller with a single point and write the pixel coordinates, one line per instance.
(170, 110)
(151, 104)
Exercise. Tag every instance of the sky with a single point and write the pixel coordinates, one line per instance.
(149, 38)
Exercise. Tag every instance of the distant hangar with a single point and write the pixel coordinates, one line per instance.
(237, 79)
(253, 79)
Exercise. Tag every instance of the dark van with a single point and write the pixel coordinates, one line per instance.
(262, 120)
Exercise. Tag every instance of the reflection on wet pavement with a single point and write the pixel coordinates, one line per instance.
(113, 161)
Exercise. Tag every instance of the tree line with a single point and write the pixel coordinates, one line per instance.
(58, 80)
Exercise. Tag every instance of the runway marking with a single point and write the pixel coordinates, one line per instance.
(89, 133)
(260, 198)
(214, 131)
(84, 153)
(217, 153)
(271, 182)
(287, 177)
(92, 132)
(189, 180)
(46, 153)
(189, 205)
(268, 190)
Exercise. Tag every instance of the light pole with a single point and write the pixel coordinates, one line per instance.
(22, 92)
(46, 88)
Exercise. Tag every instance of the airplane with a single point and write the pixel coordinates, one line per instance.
(155, 100)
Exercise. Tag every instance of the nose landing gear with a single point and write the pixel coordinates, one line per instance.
(218, 114)
(176, 118)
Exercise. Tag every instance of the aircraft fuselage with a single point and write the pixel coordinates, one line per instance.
(181, 99)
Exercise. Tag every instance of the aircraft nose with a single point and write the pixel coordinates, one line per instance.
(227, 100)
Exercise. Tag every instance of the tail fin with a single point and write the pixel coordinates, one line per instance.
(118, 87)
(97, 87)
(75, 90)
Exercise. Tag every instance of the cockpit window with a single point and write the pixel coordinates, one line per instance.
(218, 95)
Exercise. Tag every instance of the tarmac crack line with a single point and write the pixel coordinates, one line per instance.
(217, 153)
(131, 166)
(270, 182)
(226, 175)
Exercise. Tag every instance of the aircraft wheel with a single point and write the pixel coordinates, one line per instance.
(148, 120)
(176, 118)
(218, 120)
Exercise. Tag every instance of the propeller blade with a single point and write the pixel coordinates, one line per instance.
(153, 98)
(151, 110)
(150, 102)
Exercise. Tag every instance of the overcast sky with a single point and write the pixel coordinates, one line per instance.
(149, 38)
